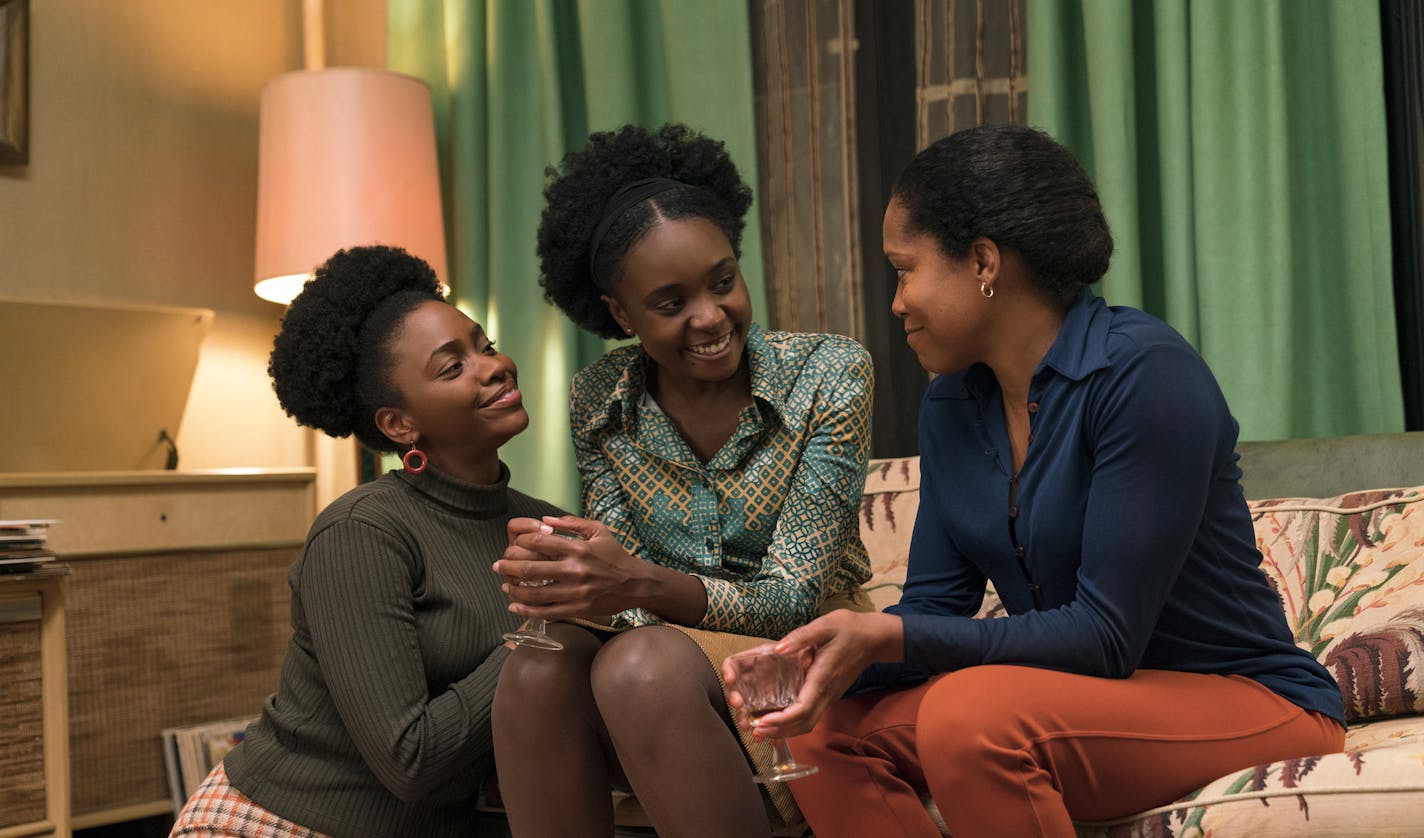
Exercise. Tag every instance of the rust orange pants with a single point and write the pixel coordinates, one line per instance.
(1012, 750)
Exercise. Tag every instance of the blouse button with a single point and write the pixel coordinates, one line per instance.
(1033, 407)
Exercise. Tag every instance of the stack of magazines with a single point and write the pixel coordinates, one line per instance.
(23, 545)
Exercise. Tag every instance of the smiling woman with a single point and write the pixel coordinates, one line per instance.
(1081, 458)
(459, 399)
(722, 467)
(381, 722)
(687, 303)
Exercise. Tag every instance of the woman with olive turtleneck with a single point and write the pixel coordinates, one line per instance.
(381, 725)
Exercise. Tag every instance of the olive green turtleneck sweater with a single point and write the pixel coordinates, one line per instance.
(381, 723)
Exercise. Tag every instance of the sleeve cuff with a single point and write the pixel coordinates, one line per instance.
(729, 609)
(942, 643)
(888, 676)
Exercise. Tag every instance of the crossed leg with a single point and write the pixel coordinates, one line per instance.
(645, 702)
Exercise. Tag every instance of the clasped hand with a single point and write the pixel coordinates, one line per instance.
(588, 577)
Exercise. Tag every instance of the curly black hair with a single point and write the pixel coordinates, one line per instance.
(331, 361)
(578, 194)
(1019, 188)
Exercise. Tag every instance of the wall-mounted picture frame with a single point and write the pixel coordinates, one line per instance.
(14, 82)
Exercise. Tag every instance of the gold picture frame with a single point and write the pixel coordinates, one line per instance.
(14, 82)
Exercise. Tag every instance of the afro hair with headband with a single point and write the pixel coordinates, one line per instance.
(579, 192)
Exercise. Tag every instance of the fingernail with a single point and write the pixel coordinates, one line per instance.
(545, 529)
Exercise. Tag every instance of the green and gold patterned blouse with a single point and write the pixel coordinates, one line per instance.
(770, 524)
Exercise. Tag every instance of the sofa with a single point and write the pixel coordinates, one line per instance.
(1340, 526)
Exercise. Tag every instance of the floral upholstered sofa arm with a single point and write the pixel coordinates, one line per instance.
(1349, 571)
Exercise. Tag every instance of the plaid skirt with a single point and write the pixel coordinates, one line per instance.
(218, 809)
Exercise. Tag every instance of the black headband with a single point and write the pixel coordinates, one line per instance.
(623, 200)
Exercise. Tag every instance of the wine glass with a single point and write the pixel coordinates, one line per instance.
(535, 633)
(769, 681)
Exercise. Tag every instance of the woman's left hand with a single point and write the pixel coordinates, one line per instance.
(590, 575)
(842, 644)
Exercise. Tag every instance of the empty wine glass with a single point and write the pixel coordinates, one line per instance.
(768, 682)
(535, 633)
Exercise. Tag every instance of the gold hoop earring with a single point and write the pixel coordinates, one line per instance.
(987, 290)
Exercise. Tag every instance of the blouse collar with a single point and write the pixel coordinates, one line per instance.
(767, 386)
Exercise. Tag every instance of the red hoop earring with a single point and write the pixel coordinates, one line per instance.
(414, 460)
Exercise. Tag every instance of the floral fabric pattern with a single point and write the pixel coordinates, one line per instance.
(1351, 582)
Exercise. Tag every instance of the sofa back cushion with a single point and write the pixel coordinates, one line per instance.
(887, 519)
(1349, 571)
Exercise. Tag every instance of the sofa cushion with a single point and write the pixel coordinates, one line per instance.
(1374, 788)
(1349, 571)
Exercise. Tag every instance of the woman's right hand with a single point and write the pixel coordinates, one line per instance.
(842, 644)
(590, 576)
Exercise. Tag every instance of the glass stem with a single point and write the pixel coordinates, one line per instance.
(781, 754)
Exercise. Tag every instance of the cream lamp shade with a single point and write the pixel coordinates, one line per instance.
(346, 157)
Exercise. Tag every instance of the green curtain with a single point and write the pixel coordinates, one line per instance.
(1239, 150)
(516, 84)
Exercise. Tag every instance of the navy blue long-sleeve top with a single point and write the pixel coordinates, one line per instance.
(1130, 517)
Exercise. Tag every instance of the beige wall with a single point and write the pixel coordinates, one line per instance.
(141, 185)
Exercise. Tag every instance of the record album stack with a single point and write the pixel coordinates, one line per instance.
(23, 545)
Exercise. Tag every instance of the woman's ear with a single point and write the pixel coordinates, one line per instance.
(619, 313)
(396, 425)
(984, 255)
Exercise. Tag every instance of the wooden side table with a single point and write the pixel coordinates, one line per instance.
(177, 613)
(34, 705)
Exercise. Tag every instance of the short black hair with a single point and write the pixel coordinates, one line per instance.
(1019, 188)
(578, 193)
(331, 361)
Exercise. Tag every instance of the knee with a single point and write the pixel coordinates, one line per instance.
(969, 713)
(548, 681)
(652, 669)
(983, 725)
